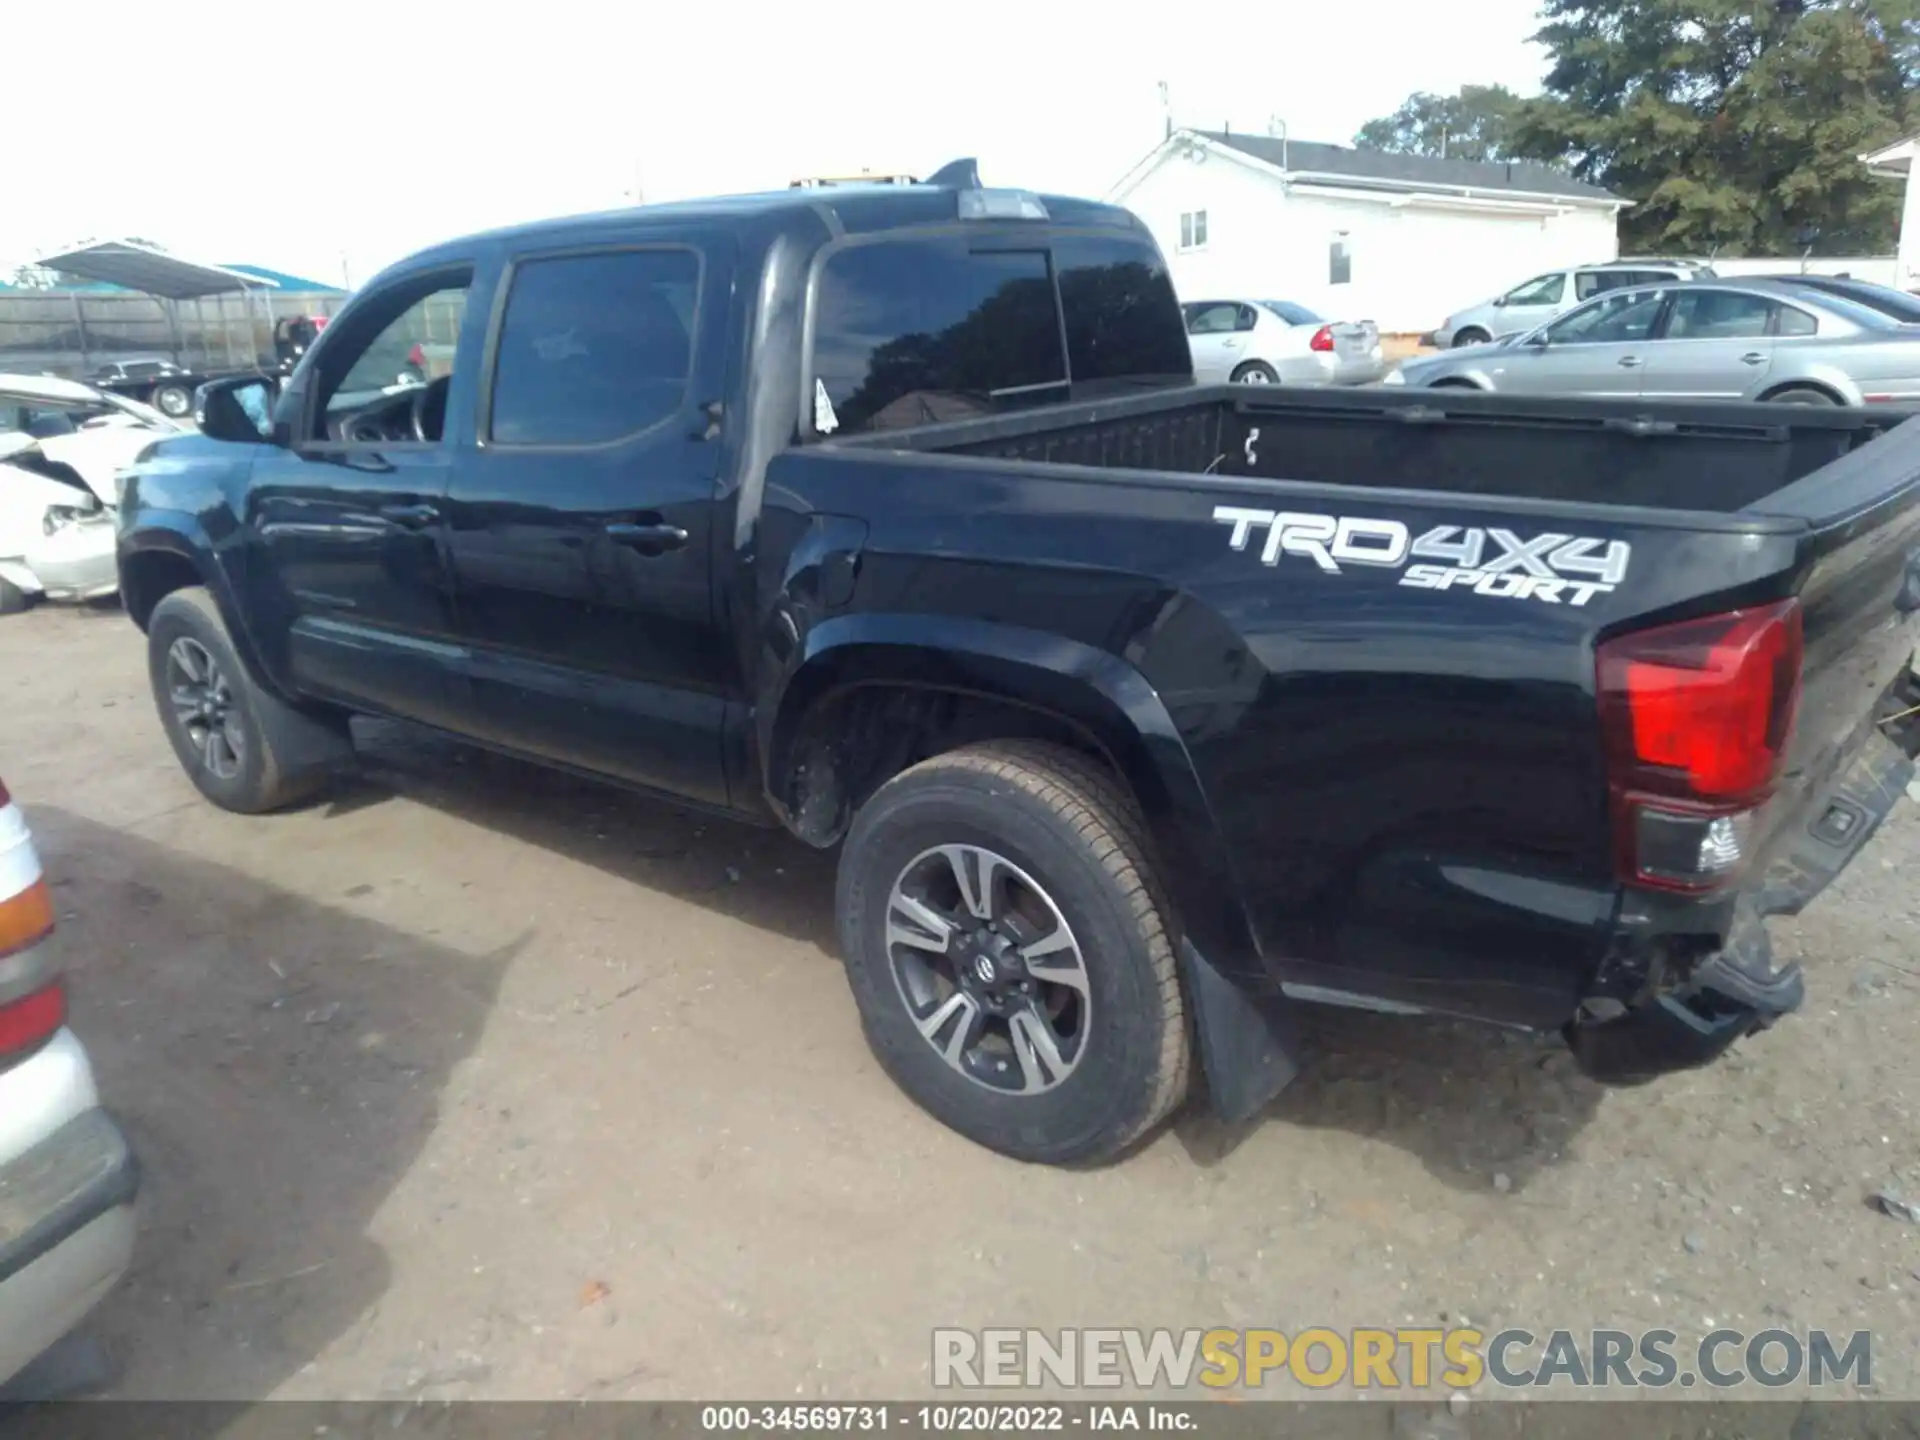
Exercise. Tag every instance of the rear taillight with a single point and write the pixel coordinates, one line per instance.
(32, 1004)
(1696, 718)
(31, 1021)
(1322, 340)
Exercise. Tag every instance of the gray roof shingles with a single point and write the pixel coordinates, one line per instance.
(1381, 167)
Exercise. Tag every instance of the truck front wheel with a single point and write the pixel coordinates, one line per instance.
(244, 749)
(1011, 953)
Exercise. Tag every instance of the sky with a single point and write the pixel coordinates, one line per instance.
(330, 139)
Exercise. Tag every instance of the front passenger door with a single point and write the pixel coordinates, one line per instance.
(1598, 350)
(349, 567)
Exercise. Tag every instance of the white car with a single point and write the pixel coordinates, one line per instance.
(1275, 342)
(67, 1176)
(62, 446)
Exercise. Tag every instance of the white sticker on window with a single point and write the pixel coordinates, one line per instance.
(824, 420)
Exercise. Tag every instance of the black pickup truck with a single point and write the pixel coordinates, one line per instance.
(1142, 714)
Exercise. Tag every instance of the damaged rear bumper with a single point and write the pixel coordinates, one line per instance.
(1737, 990)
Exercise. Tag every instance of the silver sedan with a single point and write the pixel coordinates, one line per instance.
(1698, 340)
(1276, 342)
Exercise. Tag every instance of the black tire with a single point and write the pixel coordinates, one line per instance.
(1471, 335)
(12, 598)
(269, 755)
(1801, 395)
(1256, 372)
(1066, 824)
(173, 401)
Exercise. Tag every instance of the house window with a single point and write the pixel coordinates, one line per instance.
(1193, 230)
(1339, 260)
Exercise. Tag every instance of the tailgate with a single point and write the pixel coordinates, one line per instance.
(1859, 594)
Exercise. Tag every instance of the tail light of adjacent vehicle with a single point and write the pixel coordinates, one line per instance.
(32, 1004)
(1696, 718)
(1322, 341)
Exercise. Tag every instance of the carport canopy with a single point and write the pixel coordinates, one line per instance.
(154, 272)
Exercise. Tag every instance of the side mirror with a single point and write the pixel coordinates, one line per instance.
(239, 409)
(1536, 341)
(1501, 303)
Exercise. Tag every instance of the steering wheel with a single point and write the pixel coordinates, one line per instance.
(433, 393)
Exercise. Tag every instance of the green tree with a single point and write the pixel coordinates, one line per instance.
(1729, 123)
(1472, 125)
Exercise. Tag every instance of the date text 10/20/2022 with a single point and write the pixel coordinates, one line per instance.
(938, 1419)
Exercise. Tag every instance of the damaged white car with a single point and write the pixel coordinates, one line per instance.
(62, 446)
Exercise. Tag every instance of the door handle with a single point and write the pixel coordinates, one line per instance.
(655, 539)
(413, 517)
(1629, 362)
(1753, 357)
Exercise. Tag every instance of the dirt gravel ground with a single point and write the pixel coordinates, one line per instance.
(479, 1081)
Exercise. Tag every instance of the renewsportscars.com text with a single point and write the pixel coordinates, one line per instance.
(1401, 1358)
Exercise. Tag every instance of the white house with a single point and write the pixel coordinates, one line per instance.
(1895, 161)
(1359, 234)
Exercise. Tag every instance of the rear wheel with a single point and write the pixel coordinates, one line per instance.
(173, 401)
(1801, 395)
(1256, 372)
(1011, 954)
(244, 749)
(1472, 335)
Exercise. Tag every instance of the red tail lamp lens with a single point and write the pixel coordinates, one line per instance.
(1702, 710)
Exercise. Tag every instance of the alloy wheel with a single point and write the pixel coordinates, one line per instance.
(204, 707)
(989, 969)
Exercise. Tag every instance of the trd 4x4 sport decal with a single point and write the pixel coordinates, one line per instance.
(1558, 569)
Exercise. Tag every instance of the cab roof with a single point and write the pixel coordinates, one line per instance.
(841, 209)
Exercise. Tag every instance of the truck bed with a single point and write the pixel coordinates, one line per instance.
(1713, 457)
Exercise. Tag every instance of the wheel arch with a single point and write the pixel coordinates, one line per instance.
(1834, 388)
(902, 683)
(158, 559)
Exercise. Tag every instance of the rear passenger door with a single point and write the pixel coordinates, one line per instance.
(1215, 336)
(579, 525)
(1717, 345)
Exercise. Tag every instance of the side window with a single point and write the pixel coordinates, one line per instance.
(1622, 317)
(594, 348)
(1795, 321)
(1541, 290)
(1244, 317)
(1718, 315)
(1340, 259)
(1589, 283)
(417, 346)
(1214, 320)
(391, 342)
(911, 332)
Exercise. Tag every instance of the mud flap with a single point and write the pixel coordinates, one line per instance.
(1250, 1046)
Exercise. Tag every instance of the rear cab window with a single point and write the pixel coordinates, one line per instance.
(919, 330)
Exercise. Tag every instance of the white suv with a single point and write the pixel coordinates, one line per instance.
(1545, 296)
(67, 1178)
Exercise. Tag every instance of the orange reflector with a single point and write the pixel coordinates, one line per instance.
(27, 918)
